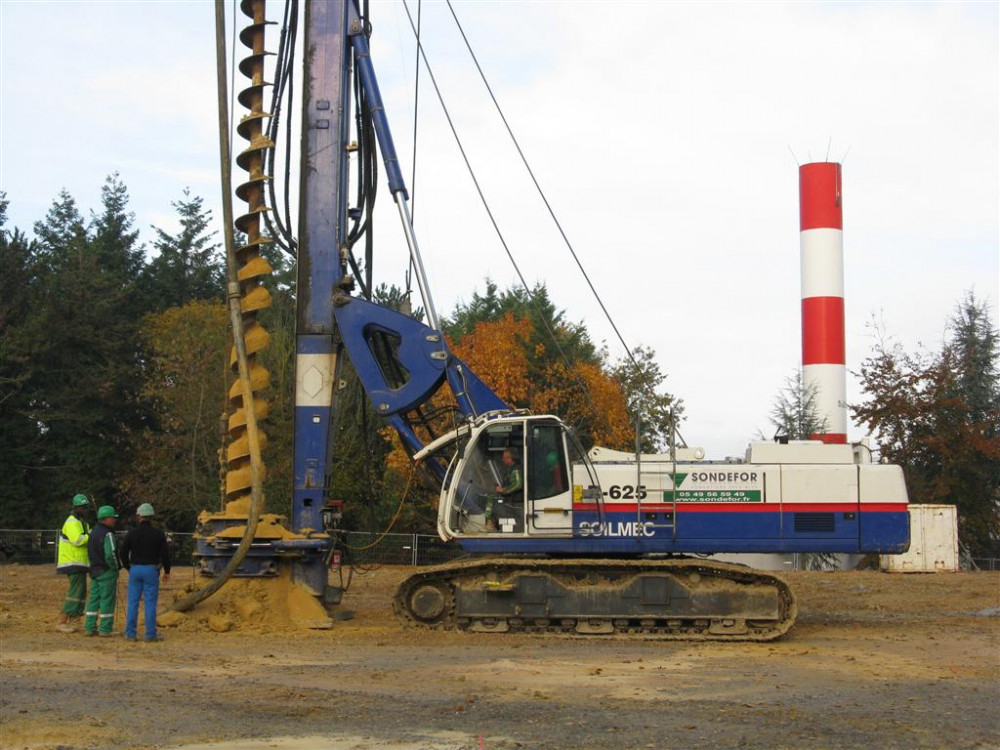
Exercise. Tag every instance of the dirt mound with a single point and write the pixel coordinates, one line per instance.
(253, 605)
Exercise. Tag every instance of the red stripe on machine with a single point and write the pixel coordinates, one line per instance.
(823, 331)
(820, 196)
(830, 438)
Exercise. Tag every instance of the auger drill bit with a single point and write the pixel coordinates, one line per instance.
(252, 266)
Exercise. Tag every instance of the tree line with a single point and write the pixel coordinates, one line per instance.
(73, 371)
(114, 370)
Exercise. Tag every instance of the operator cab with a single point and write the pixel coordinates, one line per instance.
(516, 476)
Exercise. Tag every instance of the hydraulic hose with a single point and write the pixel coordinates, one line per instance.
(234, 300)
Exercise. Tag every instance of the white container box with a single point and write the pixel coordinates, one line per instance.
(933, 542)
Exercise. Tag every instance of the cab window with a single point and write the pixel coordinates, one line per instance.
(546, 462)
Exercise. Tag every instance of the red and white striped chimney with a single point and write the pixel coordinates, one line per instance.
(822, 258)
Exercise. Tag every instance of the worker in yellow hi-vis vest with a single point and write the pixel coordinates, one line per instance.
(74, 562)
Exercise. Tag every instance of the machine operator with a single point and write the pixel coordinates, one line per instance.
(509, 508)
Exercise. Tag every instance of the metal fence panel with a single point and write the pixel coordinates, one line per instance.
(986, 563)
(369, 548)
(28, 546)
(39, 547)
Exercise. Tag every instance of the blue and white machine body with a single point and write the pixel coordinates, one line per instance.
(799, 497)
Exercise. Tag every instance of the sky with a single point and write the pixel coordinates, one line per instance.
(666, 136)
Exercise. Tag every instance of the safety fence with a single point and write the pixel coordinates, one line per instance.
(38, 547)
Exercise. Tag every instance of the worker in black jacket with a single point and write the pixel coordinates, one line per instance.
(142, 553)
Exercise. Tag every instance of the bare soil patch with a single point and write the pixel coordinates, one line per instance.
(875, 660)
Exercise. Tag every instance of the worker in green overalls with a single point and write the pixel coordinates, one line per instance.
(73, 562)
(100, 619)
(511, 491)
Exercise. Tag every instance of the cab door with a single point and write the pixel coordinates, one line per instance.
(549, 490)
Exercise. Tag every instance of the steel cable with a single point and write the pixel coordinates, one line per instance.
(541, 192)
(489, 213)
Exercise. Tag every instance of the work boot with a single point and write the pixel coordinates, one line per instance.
(154, 639)
(65, 627)
(107, 635)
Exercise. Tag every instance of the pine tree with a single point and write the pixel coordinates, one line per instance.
(87, 376)
(113, 239)
(20, 437)
(794, 411)
(975, 349)
(189, 265)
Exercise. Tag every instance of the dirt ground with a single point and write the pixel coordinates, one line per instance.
(874, 661)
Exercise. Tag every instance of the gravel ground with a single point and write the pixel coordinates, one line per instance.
(875, 661)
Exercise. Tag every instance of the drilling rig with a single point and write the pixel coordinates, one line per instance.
(565, 540)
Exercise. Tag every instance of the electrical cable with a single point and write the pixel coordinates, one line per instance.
(280, 230)
(395, 517)
(290, 67)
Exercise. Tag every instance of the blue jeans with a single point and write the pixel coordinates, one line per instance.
(143, 581)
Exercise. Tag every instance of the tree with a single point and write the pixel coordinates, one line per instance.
(524, 348)
(642, 380)
(975, 352)
(499, 350)
(175, 462)
(794, 411)
(86, 376)
(114, 242)
(20, 435)
(938, 416)
(189, 265)
(549, 327)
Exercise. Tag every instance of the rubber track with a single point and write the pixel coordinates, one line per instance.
(665, 627)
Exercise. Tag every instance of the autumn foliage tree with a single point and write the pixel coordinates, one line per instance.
(175, 461)
(937, 414)
(526, 350)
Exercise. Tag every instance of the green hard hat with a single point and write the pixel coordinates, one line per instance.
(106, 511)
(145, 510)
(79, 500)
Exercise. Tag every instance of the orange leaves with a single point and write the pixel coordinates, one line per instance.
(587, 398)
(524, 373)
(497, 351)
(174, 461)
(187, 348)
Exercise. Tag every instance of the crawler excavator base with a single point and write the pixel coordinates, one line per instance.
(670, 599)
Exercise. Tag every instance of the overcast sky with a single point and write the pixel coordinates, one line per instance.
(665, 134)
